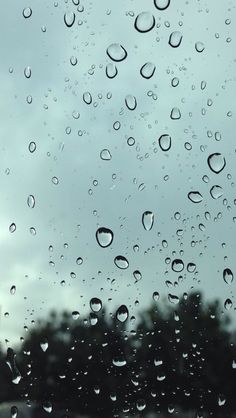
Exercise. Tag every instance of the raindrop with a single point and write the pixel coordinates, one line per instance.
(131, 102)
(12, 227)
(175, 113)
(44, 345)
(93, 318)
(111, 70)
(79, 261)
(177, 265)
(216, 162)
(147, 70)
(148, 220)
(191, 267)
(69, 19)
(104, 237)
(32, 146)
(55, 180)
(119, 362)
(13, 290)
(116, 52)
(228, 304)
(173, 299)
(87, 98)
(137, 275)
(175, 82)
(156, 296)
(228, 276)
(165, 142)
(195, 197)
(31, 201)
(27, 72)
(122, 313)
(199, 46)
(141, 405)
(47, 407)
(175, 39)
(161, 4)
(75, 315)
(121, 262)
(130, 141)
(27, 12)
(144, 22)
(14, 412)
(216, 192)
(105, 155)
(95, 304)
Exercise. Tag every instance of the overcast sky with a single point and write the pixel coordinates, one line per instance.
(92, 192)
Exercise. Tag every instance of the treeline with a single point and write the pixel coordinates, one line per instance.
(181, 359)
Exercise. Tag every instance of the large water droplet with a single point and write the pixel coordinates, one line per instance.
(116, 52)
(165, 142)
(121, 262)
(216, 162)
(195, 197)
(228, 276)
(27, 12)
(144, 22)
(93, 319)
(199, 46)
(31, 201)
(177, 265)
(105, 155)
(173, 299)
(147, 70)
(141, 405)
(148, 220)
(104, 237)
(122, 313)
(175, 113)
(161, 4)
(69, 19)
(191, 267)
(87, 98)
(111, 70)
(119, 362)
(14, 412)
(95, 304)
(216, 192)
(175, 39)
(130, 102)
(47, 407)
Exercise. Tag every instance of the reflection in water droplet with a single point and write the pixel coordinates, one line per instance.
(199, 46)
(122, 313)
(173, 299)
(195, 197)
(216, 162)
(32, 146)
(116, 52)
(69, 19)
(130, 102)
(161, 4)
(216, 192)
(31, 201)
(175, 113)
(177, 265)
(121, 262)
(12, 227)
(104, 237)
(27, 12)
(165, 142)
(87, 98)
(95, 304)
(228, 304)
(44, 345)
(228, 276)
(148, 220)
(111, 70)
(144, 22)
(147, 70)
(175, 39)
(105, 155)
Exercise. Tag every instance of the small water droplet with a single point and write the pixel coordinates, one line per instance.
(156, 296)
(95, 304)
(147, 70)
(199, 46)
(216, 192)
(195, 197)
(104, 237)
(27, 12)
(31, 201)
(87, 98)
(122, 313)
(191, 267)
(228, 276)
(32, 146)
(44, 345)
(137, 275)
(173, 299)
(140, 404)
(105, 155)
(119, 362)
(161, 4)
(148, 220)
(228, 304)
(165, 142)
(177, 265)
(93, 319)
(116, 52)
(12, 227)
(14, 412)
(75, 315)
(111, 70)
(131, 102)
(55, 180)
(216, 162)
(69, 19)
(175, 39)
(47, 407)
(79, 261)
(144, 22)
(175, 113)
(121, 262)
(13, 290)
